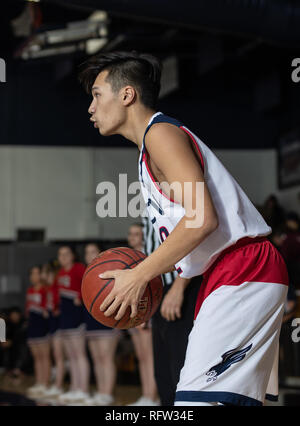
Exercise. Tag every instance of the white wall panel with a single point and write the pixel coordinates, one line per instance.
(55, 187)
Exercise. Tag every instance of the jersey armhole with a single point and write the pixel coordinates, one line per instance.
(196, 145)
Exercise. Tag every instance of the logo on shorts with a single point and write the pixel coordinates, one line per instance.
(228, 358)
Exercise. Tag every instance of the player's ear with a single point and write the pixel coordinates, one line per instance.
(128, 95)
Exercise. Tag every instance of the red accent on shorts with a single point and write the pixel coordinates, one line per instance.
(249, 259)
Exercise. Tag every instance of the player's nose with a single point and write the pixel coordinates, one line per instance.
(91, 109)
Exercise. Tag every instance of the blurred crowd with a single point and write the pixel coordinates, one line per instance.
(55, 337)
(286, 238)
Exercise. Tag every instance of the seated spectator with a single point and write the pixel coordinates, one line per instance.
(287, 355)
(272, 212)
(290, 247)
(15, 351)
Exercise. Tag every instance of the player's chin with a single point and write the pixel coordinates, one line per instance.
(104, 132)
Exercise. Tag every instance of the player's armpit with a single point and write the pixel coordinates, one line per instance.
(171, 153)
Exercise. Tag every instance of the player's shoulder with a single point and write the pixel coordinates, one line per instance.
(165, 134)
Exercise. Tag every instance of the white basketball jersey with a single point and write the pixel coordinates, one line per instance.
(238, 218)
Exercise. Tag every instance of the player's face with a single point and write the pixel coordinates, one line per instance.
(91, 251)
(135, 237)
(35, 276)
(65, 257)
(107, 110)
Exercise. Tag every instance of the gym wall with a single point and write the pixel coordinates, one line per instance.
(54, 188)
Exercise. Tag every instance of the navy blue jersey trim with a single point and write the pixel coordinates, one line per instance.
(270, 397)
(160, 118)
(223, 397)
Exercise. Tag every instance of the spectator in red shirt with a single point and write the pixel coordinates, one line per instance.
(72, 325)
(49, 272)
(38, 339)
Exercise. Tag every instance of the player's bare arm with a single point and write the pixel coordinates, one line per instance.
(173, 159)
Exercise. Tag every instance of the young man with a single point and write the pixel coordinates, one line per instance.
(171, 323)
(208, 226)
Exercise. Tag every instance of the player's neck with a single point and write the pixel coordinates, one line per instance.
(136, 124)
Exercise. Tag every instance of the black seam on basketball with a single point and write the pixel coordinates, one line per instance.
(137, 252)
(116, 323)
(105, 285)
(122, 252)
(98, 294)
(108, 261)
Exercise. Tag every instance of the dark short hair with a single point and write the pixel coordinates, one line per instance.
(140, 70)
(39, 267)
(293, 216)
(72, 249)
(140, 224)
(93, 243)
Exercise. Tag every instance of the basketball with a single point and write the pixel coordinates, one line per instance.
(95, 289)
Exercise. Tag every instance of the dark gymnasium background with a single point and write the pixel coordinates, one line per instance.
(230, 75)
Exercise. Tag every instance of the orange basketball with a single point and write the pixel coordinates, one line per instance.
(95, 289)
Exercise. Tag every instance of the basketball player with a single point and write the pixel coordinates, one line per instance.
(38, 339)
(207, 226)
(171, 323)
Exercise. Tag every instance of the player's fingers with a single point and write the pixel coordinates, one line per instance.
(121, 311)
(168, 314)
(163, 310)
(172, 315)
(111, 305)
(108, 274)
(178, 312)
(163, 313)
(133, 310)
(107, 301)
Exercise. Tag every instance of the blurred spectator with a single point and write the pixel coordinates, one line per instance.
(72, 326)
(290, 247)
(49, 272)
(142, 336)
(287, 352)
(288, 243)
(272, 212)
(102, 342)
(15, 350)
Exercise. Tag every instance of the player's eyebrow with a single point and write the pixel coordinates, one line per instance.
(95, 88)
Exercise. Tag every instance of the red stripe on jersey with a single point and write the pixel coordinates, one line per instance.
(250, 259)
(197, 146)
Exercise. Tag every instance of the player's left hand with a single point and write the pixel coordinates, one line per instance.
(127, 291)
(172, 303)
